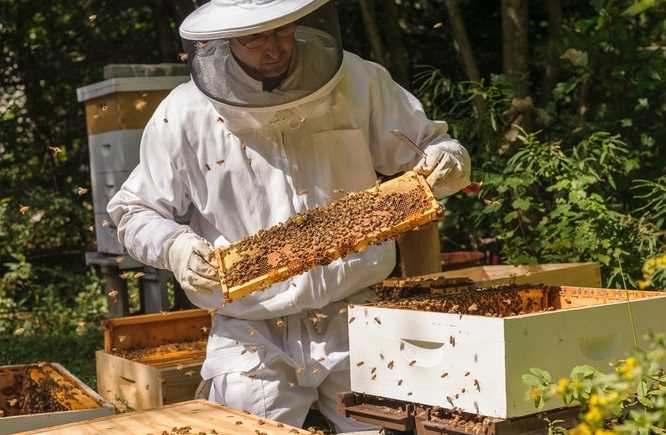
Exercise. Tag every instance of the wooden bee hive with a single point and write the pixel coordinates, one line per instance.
(327, 233)
(39, 395)
(468, 349)
(192, 417)
(571, 274)
(152, 360)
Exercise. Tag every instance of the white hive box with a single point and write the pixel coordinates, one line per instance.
(410, 351)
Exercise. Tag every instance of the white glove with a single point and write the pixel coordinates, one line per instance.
(188, 259)
(446, 166)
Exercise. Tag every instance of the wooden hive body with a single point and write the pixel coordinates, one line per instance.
(199, 415)
(152, 360)
(436, 355)
(410, 183)
(80, 402)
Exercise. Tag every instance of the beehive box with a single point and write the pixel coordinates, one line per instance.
(571, 274)
(192, 417)
(39, 395)
(327, 233)
(152, 360)
(409, 350)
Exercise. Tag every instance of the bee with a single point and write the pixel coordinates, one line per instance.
(219, 162)
(166, 121)
(24, 209)
(390, 365)
(412, 362)
(445, 374)
(279, 323)
(374, 369)
(204, 329)
(302, 192)
(299, 370)
(399, 382)
(81, 191)
(466, 374)
(179, 367)
(342, 310)
(452, 341)
(239, 422)
(477, 385)
(183, 57)
(121, 338)
(450, 400)
(315, 371)
(352, 319)
(207, 166)
(252, 332)
(379, 322)
(189, 373)
(360, 363)
(373, 377)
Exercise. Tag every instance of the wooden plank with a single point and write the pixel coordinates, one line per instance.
(201, 416)
(121, 110)
(228, 256)
(574, 274)
(152, 330)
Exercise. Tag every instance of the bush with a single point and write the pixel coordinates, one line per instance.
(631, 399)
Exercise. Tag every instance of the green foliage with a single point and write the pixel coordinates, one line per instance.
(629, 400)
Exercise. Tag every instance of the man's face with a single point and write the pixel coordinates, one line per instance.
(265, 55)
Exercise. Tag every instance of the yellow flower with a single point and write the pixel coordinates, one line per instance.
(644, 283)
(535, 393)
(661, 261)
(604, 432)
(593, 416)
(562, 386)
(597, 400)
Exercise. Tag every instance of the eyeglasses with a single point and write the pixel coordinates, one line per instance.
(259, 39)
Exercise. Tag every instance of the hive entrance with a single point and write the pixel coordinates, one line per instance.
(327, 233)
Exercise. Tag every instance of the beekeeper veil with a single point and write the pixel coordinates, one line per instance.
(262, 53)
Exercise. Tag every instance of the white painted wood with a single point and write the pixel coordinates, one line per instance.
(423, 340)
(128, 84)
(496, 352)
(116, 150)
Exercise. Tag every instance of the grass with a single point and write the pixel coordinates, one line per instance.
(74, 352)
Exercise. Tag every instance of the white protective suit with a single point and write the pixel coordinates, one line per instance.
(276, 351)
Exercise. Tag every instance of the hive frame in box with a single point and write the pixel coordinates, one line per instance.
(225, 257)
(494, 352)
(154, 379)
(88, 403)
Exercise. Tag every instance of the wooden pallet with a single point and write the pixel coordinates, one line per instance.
(199, 415)
(421, 420)
(80, 401)
(228, 256)
(144, 364)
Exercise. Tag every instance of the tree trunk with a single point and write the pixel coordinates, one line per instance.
(398, 56)
(372, 30)
(464, 49)
(551, 73)
(166, 40)
(515, 44)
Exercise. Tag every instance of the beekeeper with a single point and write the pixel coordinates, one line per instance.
(276, 120)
